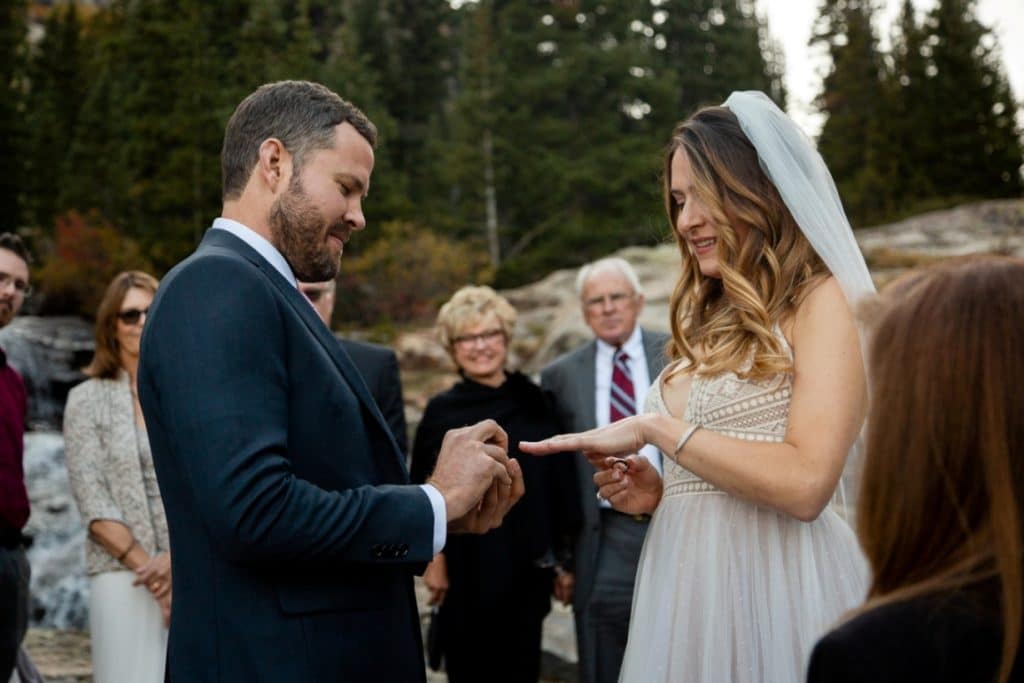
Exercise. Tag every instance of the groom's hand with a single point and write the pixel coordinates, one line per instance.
(495, 504)
(478, 480)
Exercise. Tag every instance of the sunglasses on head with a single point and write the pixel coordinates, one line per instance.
(131, 316)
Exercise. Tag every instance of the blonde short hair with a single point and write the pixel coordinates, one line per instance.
(470, 305)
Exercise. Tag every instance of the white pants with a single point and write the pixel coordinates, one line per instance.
(129, 641)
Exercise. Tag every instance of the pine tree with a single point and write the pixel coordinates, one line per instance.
(146, 146)
(977, 147)
(715, 47)
(57, 86)
(13, 29)
(408, 51)
(275, 42)
(345, 66)
(854, 101)
(468, 163)
(578, 149)
(909, 111)
(102, 178)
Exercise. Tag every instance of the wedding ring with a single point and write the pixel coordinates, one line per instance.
(599, 498)
(156, 585)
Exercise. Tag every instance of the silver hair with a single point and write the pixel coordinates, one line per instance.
(615, 264)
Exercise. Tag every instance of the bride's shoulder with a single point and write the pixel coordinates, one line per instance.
(822, 306)
(821, 296)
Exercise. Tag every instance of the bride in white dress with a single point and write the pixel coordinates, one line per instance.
(746, 562)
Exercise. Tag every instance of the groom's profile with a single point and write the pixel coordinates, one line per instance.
(294, 531)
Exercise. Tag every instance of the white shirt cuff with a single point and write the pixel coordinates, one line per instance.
(440, 516)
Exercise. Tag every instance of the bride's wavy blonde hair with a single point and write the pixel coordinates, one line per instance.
(726, 324)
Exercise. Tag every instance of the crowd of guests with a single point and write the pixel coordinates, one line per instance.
(683, 493)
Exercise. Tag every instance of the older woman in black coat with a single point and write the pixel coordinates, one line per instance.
(494, 590)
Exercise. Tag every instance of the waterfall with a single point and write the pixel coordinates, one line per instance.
(60, 591)
(48, 353)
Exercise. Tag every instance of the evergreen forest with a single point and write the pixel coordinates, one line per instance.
(517, 136)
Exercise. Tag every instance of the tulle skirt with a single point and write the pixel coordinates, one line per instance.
(729, 591)
(129, 641)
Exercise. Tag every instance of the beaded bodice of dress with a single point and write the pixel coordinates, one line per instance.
(739, 408)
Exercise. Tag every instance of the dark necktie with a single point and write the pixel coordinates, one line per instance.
(623, 401)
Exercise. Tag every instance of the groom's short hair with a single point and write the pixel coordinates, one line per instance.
(301, 114)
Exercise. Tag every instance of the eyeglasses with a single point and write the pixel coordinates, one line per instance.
(132, 316)
(487, 337)
(20, 286)
(615, 299)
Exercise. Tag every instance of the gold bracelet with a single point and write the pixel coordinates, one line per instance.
(120, 558)
(683, 439)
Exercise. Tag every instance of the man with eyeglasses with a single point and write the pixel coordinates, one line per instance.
(604, 380)
(377, 364)
(295, 532)
(14, 506)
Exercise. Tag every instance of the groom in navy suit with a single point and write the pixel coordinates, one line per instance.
(294, 531)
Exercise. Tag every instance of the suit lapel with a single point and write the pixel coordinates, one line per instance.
(586, 384)
(302, 307)
(654, 348)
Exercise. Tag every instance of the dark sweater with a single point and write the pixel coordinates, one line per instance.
(491, 569)
(953, 637)
(13, 496)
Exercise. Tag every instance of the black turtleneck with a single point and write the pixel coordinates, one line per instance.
(491, 569)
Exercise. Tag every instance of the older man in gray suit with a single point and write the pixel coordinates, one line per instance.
(604, 380)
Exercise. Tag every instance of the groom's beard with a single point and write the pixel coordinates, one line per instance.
(299, 231)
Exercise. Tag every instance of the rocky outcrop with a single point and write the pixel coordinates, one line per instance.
(994, 227)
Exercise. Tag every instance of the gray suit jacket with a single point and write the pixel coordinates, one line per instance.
(570, 381)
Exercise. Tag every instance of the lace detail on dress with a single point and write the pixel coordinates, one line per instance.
(734, 407)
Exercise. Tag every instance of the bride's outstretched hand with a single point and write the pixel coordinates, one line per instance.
(619, 438)
(631, 484)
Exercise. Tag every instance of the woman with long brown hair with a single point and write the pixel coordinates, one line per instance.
(745, 563)
(110, 466)
(941, 513)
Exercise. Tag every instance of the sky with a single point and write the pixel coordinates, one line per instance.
(790, 22)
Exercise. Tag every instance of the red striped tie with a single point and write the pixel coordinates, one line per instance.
(622, 403)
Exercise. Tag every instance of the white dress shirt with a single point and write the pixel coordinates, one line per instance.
(634, 348)
(269, 252)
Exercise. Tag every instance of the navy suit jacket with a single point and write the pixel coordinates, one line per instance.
(294, 532)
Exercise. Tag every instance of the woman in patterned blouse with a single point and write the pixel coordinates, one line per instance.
(114, 484)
